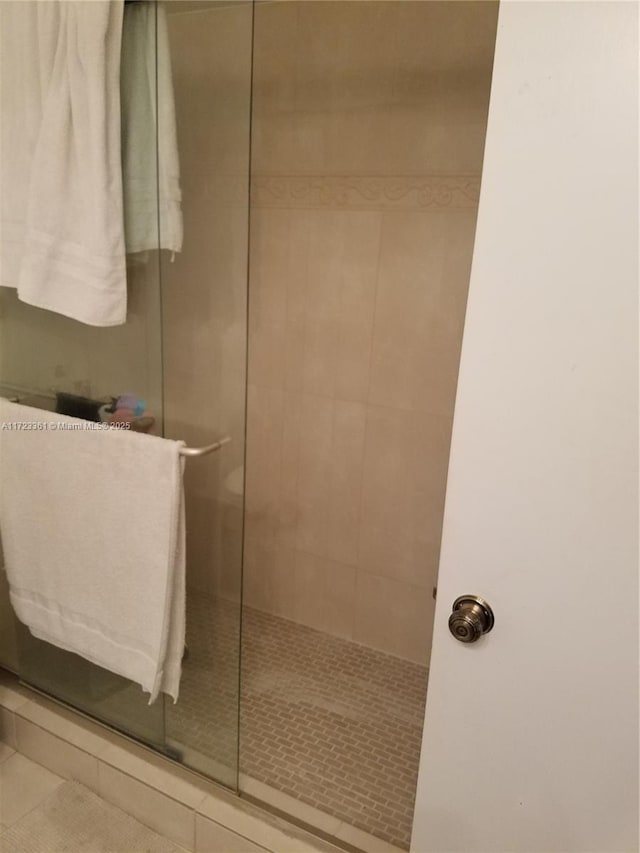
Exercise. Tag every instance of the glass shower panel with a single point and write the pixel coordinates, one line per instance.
(182, 350)
(205, 337)
(44, 356)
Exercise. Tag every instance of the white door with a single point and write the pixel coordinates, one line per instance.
(531, 733)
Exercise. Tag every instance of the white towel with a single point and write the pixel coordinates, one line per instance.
(150, 163)
(92, 527)
(61, 216)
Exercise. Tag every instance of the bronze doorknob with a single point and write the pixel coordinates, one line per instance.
(471, 618)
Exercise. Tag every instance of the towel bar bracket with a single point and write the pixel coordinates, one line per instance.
(204, 451)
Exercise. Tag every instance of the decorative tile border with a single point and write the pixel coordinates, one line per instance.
(338, 192)
(366, 192)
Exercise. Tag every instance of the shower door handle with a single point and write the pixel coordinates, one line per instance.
(471, 618)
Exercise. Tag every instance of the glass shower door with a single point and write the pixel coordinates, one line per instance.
(51, 361)
(45, 356)
(182, 350)
(204, 291)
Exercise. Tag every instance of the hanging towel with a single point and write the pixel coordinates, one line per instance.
(61, 222)
(150, 164)
(92, 528)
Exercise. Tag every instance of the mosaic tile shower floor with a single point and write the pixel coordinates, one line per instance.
(331, 723)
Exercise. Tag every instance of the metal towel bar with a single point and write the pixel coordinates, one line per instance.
(190, 452)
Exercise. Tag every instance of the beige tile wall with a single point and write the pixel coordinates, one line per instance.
(369, 122)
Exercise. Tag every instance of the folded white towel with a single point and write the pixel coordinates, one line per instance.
(61, 216)
(150, 163)
(92, 527)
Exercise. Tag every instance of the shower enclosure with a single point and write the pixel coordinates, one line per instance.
(339, 147)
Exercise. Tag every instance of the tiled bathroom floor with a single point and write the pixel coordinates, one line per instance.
(333, 724)
(42, 813)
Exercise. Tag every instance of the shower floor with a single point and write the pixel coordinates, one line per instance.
(331, 723)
